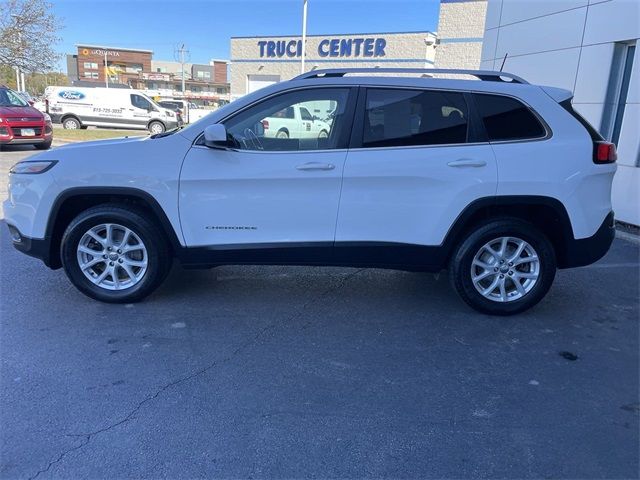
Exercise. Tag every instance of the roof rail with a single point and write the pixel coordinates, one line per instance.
(485, 75)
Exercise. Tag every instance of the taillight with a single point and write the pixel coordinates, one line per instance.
(604, 152)
(265, 124)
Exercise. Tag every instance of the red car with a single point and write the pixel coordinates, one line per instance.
(22, 124)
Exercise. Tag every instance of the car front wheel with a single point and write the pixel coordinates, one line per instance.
(112, 253)
(156, 128)
(504, 267)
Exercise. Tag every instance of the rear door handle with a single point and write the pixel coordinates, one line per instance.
(467, 163)
(316, 166)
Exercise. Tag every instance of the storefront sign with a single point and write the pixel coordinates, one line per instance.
(328, 47)
(156, 76)
(102, 53)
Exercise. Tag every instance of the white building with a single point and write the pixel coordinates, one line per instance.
(260, 61)
(460, 33)
(588, 47)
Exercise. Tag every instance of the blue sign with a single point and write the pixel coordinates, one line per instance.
(71, 95)
(328, 47)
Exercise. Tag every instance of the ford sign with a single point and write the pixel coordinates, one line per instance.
(71, 95)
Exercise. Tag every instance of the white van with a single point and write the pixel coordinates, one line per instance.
(77, 107)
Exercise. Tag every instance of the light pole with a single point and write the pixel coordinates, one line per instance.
(304, 33)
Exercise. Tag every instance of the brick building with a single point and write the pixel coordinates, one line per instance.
(136, 68)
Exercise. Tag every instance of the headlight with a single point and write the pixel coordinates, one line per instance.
(47, 118)
(32, 167)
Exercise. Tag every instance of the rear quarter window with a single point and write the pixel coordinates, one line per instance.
(506, 118)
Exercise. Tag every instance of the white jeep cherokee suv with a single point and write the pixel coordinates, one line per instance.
(494, 179)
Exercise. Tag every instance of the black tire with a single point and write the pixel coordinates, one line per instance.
(159, 257)
(44, 145)
(68, 121)
(282, 133)
(160, 126)
(460, 264)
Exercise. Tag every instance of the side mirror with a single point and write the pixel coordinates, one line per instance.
(215, 136)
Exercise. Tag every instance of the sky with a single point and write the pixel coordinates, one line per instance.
(205, 27)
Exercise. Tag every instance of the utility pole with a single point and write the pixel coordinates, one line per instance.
(182, 55)
(304, 33)
(106, 71)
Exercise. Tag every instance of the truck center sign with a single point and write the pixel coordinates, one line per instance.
(327, 47)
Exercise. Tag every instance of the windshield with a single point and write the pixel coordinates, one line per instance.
(9, 98)
(155, 104)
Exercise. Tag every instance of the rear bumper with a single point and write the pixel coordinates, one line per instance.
(586, 251)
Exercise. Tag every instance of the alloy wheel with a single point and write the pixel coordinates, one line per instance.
(505, 269)
(112, 256)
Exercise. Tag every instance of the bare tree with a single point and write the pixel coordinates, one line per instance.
(29, 31)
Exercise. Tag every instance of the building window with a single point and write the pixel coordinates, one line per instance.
(203, 74)
(617, 90)
(133, 68)
(90, 66)
(91, 75)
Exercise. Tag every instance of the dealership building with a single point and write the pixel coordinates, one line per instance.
(591, 48)
(260, 61)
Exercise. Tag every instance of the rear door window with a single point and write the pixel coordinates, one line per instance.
(506, 118)
(406, 117)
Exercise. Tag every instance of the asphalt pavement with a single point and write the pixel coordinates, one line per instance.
(263, 372)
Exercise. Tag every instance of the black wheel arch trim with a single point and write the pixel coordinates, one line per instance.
(51, 259)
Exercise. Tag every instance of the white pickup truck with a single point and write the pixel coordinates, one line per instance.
(295, 122)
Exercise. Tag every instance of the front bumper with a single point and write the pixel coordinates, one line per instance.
(34, 247)
(586, 251)
(11, 134)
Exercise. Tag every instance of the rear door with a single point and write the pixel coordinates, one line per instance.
(417, 162)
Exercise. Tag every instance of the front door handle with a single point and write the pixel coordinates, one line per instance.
(316, 166)
(467, 163)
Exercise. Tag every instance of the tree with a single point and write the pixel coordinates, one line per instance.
(29, 32)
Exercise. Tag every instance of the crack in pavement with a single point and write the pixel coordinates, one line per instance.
(89, 436)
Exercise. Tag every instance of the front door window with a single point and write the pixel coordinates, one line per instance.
(301, 120)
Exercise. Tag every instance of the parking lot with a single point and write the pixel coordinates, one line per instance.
(259, 372)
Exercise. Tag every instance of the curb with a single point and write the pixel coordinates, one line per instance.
(629, 237)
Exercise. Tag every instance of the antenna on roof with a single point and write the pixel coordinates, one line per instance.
(503, 60)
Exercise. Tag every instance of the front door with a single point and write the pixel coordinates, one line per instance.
(267, 190)
(139, 110)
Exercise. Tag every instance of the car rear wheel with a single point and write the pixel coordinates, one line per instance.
(504, 267)
(323, 134)
(282, 134)
(156, 127)
(71, 123)
(112, 253)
